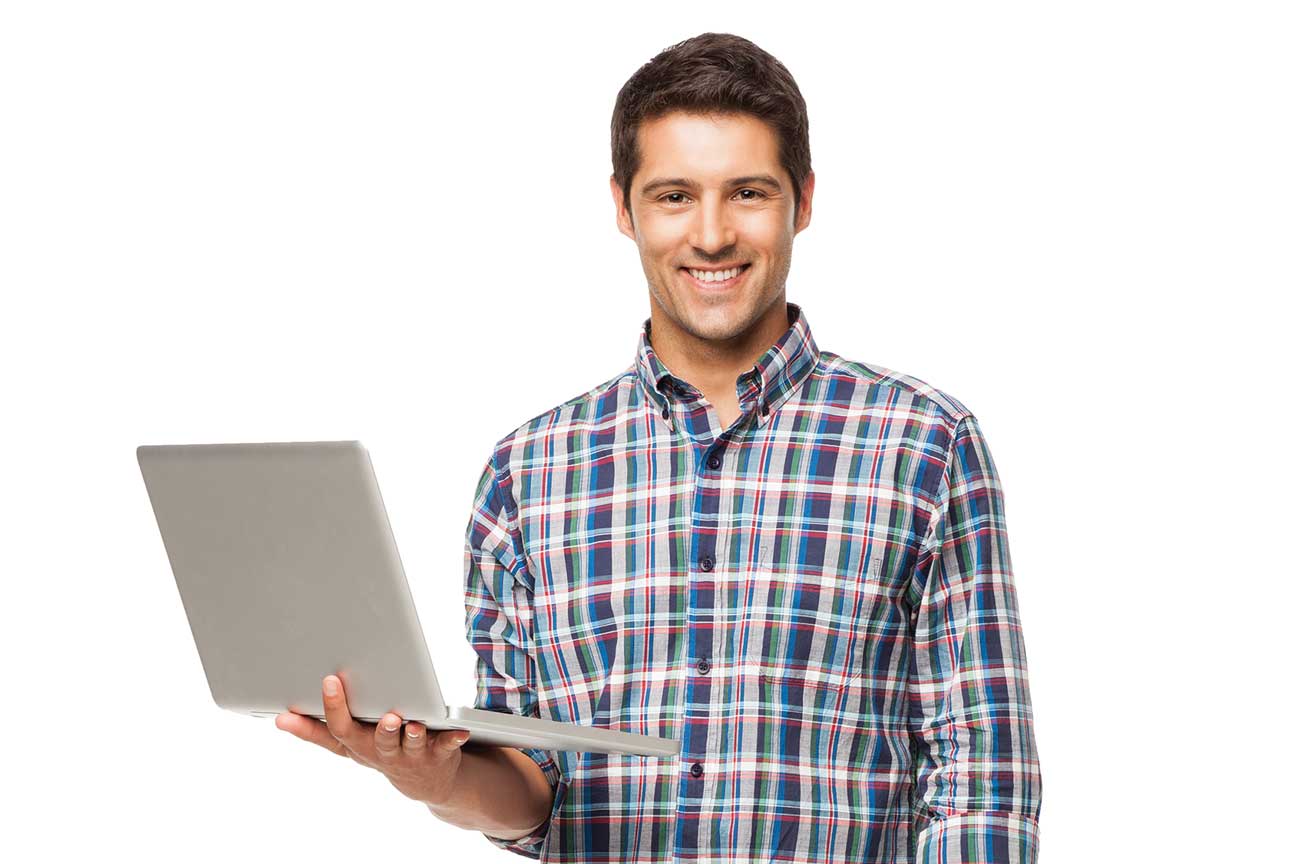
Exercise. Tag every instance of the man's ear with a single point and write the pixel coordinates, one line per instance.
(803, 217)
(622, 220)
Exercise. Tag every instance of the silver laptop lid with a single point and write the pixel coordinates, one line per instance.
(300, 529)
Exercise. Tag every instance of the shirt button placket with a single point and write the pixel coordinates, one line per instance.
(701, 740)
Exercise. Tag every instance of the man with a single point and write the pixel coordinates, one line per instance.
(795, 563)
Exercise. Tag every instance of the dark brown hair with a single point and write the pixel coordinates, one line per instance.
(715, 73)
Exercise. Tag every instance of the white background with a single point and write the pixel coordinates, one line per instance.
(273, 221)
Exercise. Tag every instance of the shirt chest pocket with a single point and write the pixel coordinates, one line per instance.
(818, 598)
(807, 630)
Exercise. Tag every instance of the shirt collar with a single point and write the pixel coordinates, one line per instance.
(766, 385)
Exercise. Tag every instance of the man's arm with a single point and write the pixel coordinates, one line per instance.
(490, 789)
(977, 767)
(499, 791)
(499, 625)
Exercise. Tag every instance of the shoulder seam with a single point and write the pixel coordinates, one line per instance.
(952, 407)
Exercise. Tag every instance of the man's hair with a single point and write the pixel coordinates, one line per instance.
(715, 73)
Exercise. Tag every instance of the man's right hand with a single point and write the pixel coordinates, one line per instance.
(421, 764)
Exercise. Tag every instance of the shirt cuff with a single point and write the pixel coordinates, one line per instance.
(979, 838)
(530, 845)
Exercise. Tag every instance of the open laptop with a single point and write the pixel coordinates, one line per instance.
(288, 571)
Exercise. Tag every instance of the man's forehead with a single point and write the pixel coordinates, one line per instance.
(707, 150)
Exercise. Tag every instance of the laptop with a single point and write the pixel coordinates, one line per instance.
(288, 571)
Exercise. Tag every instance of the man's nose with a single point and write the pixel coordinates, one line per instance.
(714, 229)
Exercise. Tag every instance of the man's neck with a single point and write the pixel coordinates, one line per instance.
(714, 367)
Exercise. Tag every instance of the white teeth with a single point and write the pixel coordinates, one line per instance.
(715, 276)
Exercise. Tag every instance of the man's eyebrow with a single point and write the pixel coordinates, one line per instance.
(758, 179)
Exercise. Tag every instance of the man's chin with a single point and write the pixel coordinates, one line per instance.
(713, 322)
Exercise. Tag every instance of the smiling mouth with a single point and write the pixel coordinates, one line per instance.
(714, 285)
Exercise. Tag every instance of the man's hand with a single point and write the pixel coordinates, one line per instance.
(421, 764)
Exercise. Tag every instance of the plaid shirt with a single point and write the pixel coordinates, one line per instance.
(816, 601)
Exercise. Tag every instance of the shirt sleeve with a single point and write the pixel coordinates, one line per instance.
(978, 785)
(499, 626)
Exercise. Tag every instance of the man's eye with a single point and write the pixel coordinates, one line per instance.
(670, 196)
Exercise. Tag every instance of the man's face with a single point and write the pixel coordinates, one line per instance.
(703, 198)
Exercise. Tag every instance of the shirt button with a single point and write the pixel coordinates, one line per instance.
(696, 770)
(714, 462)
(707, 563)
(703, 666)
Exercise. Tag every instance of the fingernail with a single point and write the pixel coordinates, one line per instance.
(330, 686)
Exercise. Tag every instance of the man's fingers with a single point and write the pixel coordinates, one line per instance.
(451, 739)
(416, 738)
(310, 729)
(337, 717)
(386, 736)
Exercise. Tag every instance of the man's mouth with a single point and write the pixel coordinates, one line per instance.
(715, 280)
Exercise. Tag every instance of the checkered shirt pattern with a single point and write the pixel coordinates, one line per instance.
(817, 601)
